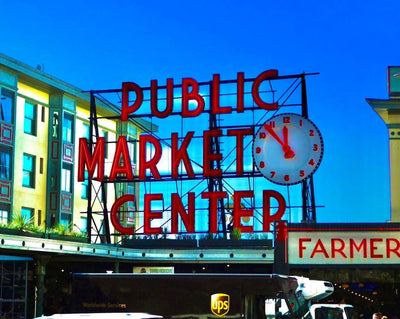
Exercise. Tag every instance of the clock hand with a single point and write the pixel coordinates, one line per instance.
(285, 146)
(285, 135)
(288, 151)
(273, 134)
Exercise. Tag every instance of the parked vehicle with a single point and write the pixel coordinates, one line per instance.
(198, 296)
(317, 290)
(333, 311)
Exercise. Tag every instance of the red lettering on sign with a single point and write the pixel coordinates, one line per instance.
(91, 162)
(151, 164)
(215, 107)
(338, 249)
(353, 245)
(319, 249)
(213, 208)
(189, 96)
(179, 155)
(188, 218)
(373, 248)
(125, 166)
(149, 215)
(267, 217)
(239, 133)
(301, 246)
(390, 249)
(208, 156)
(255, 90)
(240, 92)
(114, 212)
(239, 212)
(125, 107)
(190, 92)
(154, 99)
(192, 104)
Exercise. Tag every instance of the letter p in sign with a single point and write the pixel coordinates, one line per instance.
(220, 304)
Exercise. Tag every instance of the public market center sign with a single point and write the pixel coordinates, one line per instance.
(192, 105)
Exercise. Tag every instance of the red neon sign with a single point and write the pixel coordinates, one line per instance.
(192, 105)
(190, 92)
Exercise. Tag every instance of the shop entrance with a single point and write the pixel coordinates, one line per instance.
(13, 286)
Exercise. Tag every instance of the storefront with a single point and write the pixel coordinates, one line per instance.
(360, 259)
(14, 301)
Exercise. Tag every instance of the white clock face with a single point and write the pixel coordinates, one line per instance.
(287, 149)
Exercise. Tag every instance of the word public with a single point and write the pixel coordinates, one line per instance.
(93, 162)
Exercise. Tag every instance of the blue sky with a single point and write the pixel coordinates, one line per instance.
(99, 44)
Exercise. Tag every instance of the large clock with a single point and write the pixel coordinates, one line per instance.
(287, 149)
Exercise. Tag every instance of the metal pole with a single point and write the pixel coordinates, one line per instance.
(215, 183)
(308, 184)
(90, 186)
(106, 225)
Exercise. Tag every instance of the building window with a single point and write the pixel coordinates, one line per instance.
(4, 213)
(83, 225)
(68, 122)
(55, 125)
(105, 188)
(66, 220)
(27, 213)
(6, 105)
(3, 216)
(30, 118)
(85, 186)
(28, 171)
(101, 231)
(132, 141)
(105, 135)
(85, 130)
(5, 165)
(66, 178)
(43, 114)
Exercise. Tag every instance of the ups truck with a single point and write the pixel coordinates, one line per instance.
(189, 296)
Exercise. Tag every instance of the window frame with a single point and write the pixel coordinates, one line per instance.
(31, 173)
(7, 166)
(31, 212)
(4, 216)
(30, 121)
(6, 94)
(68, 131)
(66, 178)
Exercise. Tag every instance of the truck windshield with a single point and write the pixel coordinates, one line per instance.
(298, 306)
(350, 313)
(289, 305)
(335, 313)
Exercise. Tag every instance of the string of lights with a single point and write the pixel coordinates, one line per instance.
(346, 288)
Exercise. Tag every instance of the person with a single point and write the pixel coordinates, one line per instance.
(378, 315)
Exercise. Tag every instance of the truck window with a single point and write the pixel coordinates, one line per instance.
(328, 313)
(351, 313)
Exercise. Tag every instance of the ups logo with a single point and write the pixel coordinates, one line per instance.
(220, 304)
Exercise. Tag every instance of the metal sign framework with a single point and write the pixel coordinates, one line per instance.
(289, 91)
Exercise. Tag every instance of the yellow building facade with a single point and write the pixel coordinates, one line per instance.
(389, 111)
(41, 121)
